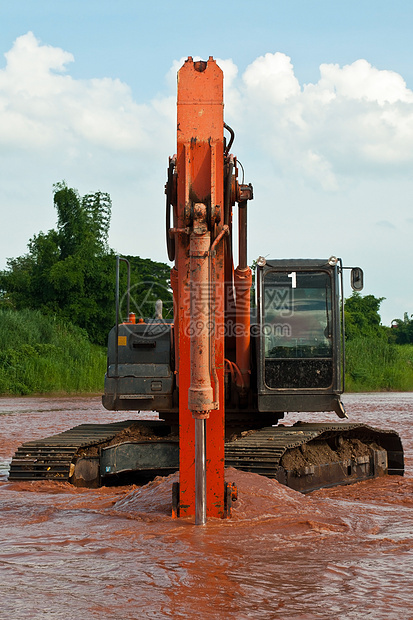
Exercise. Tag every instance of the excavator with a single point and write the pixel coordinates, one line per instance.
(242, 350)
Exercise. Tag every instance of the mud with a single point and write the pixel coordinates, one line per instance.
(136, 432)
(319, 452)
(71, 553)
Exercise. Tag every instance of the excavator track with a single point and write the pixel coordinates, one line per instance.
(73, 455)
(312, 456)
(304, 456)
(50, 458)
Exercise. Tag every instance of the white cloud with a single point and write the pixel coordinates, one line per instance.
(42, 109)
(386, 224)
(272, 77)
(362, 81)
(91, 133)
(355, 120)
(328, 160)
(30, 66)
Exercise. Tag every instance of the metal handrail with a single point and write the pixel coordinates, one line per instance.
(118, 260)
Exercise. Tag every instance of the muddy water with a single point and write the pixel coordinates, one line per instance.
(68, 553)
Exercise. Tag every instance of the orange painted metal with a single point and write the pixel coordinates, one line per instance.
(243, 283)
(200, 187)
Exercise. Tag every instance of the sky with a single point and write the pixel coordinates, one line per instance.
(319, 94)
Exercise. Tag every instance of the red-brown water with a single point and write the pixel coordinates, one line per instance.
(72, 554)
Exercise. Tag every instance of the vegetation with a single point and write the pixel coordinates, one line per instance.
(57, 302)
(402, 330)
(374, 365)
(362, 317)
(374, 359)
(40, 354)
(69, 272)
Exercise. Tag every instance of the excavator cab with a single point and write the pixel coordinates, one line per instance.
(300, 336)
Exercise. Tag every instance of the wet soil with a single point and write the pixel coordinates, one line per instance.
(115, 553)
(319, 452)
(135, 433)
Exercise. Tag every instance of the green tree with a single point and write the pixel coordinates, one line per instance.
(70, 272)
(71, 219)
(402, 330)
(82, 223)
(362, 317)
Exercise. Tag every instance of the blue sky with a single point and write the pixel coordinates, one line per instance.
(319, 94)
(134, 40)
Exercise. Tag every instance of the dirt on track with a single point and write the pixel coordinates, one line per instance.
(65, 552)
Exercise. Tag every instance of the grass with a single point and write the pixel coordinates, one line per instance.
(39, 354)
(372, 364)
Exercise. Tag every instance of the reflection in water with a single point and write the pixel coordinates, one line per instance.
(105, 553)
